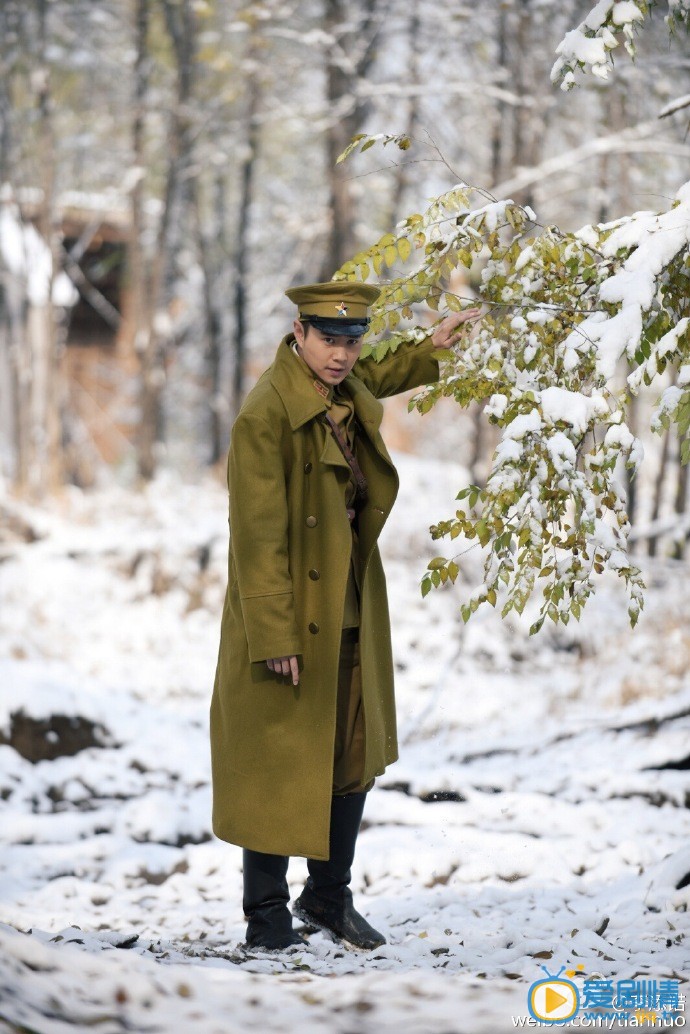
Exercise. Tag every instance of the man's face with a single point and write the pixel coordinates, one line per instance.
(330, 357)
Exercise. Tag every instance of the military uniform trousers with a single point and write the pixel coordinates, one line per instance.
(348, 755)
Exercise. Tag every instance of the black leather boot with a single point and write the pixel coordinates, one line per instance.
(265, 902)
(326, 901)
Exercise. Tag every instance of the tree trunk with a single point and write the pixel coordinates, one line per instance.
(680, 505)
(140, 284)
(352, 27)
(524, 145)
(247, 177)
(5, 101)
(210, 251)
(497, 143)
(630, 477)
(151, 348)
(658, 490)
(402, 177)
(46, 465)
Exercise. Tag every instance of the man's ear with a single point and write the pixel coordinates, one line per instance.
(299, 331)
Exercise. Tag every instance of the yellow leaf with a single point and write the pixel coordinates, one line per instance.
(390, 254)
(404, 248)
(350, 147)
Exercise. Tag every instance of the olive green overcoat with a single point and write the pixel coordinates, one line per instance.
(290, 543)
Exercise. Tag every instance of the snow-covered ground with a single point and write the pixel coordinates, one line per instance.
(529, 822)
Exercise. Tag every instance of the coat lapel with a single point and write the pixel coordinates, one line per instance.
(301, 400)
(368, 409)
(302, 403)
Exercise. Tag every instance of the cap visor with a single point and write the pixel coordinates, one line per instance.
(338, 327)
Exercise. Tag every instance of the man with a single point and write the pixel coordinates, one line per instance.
(303, 713)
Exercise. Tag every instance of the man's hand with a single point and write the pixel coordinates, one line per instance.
(447, 333)
(285, 666)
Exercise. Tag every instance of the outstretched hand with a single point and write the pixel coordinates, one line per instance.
(285, 666)
(451, 329)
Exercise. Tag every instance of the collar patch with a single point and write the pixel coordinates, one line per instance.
(321, 388)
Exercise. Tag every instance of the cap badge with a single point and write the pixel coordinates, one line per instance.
(341, 309)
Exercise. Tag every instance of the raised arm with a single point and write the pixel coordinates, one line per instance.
(415, 364)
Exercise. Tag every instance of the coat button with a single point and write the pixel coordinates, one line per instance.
(313, 627)
(307, 468)
(312, 522)
(314, 575)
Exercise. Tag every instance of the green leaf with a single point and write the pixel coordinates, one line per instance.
(483, 532)
(437, 563)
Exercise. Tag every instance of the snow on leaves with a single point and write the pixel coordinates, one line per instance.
(590, 46)
(563, 311)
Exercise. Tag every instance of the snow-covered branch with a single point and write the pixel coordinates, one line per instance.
(589, 47)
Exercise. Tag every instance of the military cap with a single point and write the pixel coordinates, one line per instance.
(336, 307)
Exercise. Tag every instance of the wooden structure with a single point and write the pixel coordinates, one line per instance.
(98, 360)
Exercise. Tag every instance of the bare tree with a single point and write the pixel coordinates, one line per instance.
(352, 28)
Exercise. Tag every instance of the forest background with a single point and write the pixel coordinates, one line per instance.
(178, 159)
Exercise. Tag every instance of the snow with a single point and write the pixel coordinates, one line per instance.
(562, 452)
(571, 407)
(653, 241)
(588, 49)
(26, 255)
(529, 820)
(625, 12)
(525, 423)
(589, 45)
(598, 15)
